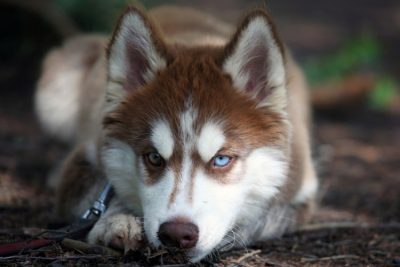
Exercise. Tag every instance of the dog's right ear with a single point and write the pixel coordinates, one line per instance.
(135, 54)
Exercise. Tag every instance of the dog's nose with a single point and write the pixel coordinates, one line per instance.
(178, 234)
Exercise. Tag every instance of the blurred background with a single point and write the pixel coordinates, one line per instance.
(350, 53)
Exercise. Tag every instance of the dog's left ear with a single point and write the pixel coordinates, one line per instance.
(254, 59)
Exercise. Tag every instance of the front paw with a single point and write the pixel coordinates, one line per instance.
(119, 231)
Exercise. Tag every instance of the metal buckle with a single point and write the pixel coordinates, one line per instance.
(100, 205)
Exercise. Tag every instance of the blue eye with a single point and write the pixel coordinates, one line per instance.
(221, 161)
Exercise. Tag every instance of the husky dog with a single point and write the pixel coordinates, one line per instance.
(202, 129)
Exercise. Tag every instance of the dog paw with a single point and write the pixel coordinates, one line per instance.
(119, 231)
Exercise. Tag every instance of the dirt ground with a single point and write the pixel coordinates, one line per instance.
(357, 224)
(357, 153)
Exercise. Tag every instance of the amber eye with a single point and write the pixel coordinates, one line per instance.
(154, 159)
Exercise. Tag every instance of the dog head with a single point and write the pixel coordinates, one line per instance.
(195, 138)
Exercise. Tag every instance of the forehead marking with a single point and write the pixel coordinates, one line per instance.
(187, 119)
(192, 183)
(211, 140)
(187, 124)
(183, 180)
(162, 139)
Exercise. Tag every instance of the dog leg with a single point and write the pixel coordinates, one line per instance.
(79, 186)
(78, 183)
(118, 229)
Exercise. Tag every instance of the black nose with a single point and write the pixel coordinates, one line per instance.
(178, 234)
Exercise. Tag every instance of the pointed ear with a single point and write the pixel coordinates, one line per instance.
(255, 61)
(135, 54)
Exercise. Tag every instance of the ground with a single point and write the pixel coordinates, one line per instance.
(356, 151)
(357, 223)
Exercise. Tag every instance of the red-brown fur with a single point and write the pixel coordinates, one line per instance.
(195, 72)
(194, 75)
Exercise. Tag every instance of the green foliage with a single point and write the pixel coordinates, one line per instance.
(363, 51)
(383, 93)
(358, 54)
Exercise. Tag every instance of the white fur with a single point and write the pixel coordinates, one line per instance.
(134, 33)
(155, 204)
(240, 209)
(91, 153)
(186, 120)
(157, 208)
(278, 220)
(213, 201)
(117, 228)
(122, 170)
(253, 183)
(162, 139)
(57, 96)
(215, 207)
(240, 203)
(155, 198)
(308, 187)
(266, 169)
(211, 140)
(269, 168)
(160, 210)
(259, 31)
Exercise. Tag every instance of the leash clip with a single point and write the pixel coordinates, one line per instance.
(100, 205)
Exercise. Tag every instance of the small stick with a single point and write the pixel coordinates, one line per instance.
(156, 254)
(330, 225)
(336, 257)
(248, 255)
(60, 258)
(87, 248)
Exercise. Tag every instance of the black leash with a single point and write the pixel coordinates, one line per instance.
(77, 229)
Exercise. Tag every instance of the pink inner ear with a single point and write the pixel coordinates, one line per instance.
(137, 60)
(256, 66)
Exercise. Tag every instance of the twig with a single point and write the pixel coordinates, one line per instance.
(158, 253)
(87, 248)
(330, 225)
(172, 265)
(332, 258)
(273, 263)
(61, 258)
(248, 255)
(341, 225)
